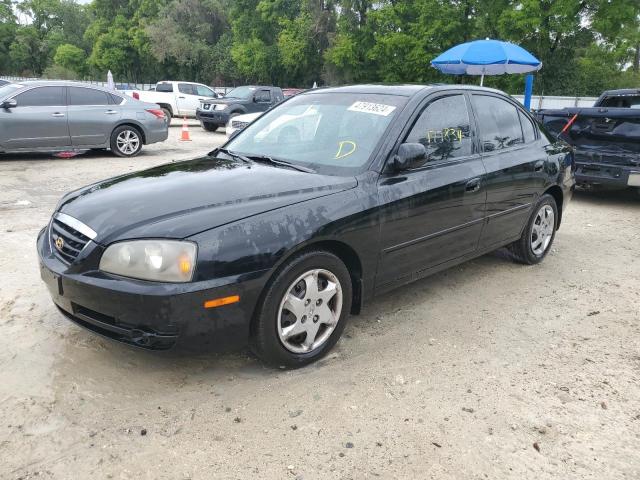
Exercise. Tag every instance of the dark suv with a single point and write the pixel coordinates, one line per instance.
(216, 112)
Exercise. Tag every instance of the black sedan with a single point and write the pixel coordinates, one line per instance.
(330, 198)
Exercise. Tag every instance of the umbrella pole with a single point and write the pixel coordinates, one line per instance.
(481, 79)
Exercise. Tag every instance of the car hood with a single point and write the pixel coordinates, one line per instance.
(181, 199)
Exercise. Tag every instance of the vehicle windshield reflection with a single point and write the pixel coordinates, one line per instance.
(331, 133)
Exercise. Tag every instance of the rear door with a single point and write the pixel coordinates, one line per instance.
(92, 116)
(435, 212)
(515, 166)
(38, 121)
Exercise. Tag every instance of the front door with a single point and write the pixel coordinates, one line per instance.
(189, 96)
(515, 171)
(92, 116)
(435, 212)
(39, 121)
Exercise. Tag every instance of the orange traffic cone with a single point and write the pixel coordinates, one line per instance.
(185, 131)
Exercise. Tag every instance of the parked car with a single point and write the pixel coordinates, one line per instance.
(4, 82)
(290, 92)
(58, 116)
(279, 235)
(214, 113)
(606, 138)
(238, 122)
(177, 99)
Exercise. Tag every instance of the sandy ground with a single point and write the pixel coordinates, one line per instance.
(488, 370)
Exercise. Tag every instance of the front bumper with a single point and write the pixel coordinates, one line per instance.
(607, 175)
(145, 314)
(215, 117)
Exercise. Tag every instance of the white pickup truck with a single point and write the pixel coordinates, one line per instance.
(177, 99)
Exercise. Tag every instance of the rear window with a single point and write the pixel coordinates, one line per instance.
(164, 87)
(623, 101)
(499, 123)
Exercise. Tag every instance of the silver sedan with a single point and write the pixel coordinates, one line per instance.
(58, 116)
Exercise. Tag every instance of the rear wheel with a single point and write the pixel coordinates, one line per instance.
(126, 141)
(167, 113)
(539, 232)
(304, 310)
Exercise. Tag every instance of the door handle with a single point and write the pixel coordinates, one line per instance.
(181, 98)
(57, 114)
(110, 112)
(539, 165)
(472, 185)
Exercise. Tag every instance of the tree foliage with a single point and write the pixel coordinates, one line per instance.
(585, 46)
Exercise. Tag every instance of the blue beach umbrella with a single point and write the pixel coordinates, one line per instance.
(486, 57)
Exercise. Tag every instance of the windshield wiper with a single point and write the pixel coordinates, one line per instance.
(278, 161)
(234, 155)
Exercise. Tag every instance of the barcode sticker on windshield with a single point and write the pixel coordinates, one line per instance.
(375, 108)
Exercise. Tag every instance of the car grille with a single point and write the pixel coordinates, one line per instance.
(238, 124)
(68, 237)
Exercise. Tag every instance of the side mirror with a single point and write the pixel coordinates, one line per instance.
(409, 156)
(9, 104)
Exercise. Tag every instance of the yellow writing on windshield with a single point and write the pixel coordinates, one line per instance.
(345, 148)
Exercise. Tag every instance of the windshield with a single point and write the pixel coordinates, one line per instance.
(241, 92)
(9, 89)
(332, 133)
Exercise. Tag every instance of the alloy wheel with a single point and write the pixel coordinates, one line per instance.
(309, 311)
(128, 142)
(542, 231)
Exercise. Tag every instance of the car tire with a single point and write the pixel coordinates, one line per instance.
(538, 234)
(167, 113)
(281, 337)
(209, 127)
(126, 141)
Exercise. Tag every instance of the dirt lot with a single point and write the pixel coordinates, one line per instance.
(488, 370)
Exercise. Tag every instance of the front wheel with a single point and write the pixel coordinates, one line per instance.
(126, 141)
(209, 127)
(539, 232)
(304, 310)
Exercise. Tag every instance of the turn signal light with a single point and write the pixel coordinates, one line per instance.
(219, 302)
(136, 95)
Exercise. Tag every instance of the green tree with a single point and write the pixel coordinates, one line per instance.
(71, 58)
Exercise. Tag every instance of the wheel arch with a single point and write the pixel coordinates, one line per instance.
(342, 250)
(167, 106)
(137, 126)
(556, 192)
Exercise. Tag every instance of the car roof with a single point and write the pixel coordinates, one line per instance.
(621, 91)
(406, 90)
(62, 83)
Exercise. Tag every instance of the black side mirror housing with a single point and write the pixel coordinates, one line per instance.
(9, 104)
(409, 156)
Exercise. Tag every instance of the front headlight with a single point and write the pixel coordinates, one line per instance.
(157, 260)
(219, 106)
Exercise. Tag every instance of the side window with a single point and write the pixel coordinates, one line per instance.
(263, 96)
(42, 97)
(164, 87)
(498, 121)
(87, 96)
(116, 99)
(528, 129)
(186, 88)
(444, 129)
(204, 91)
